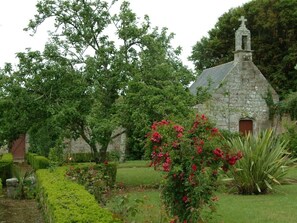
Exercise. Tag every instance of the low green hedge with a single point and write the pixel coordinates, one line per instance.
(64, 201)
(6, 163)
(37, 162)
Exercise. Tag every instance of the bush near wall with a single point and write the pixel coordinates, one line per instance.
(37, 162)
(64, 201)
(81, 157)
(6, 163)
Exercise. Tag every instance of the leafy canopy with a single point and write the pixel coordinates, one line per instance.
(87, 82)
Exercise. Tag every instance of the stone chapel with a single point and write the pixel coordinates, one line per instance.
(238, 90)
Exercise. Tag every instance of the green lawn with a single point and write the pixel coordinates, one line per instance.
(138, 176)
(277, 207)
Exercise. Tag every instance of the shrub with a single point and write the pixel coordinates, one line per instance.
(265, 162)
(56, 156)
(37, 162)
(81, 157)
(6, 163)
(97, 179)
(30, 157)
(64, 201)
(191, 159)
(290, 136)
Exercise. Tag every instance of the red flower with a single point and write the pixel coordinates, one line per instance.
(185, 199)
(179, 135)
(175, 144)
(199, 149)
(214, 131)
(239, 155)
(194, 167)
(232, 160)
(178, 128)
(166, 167)
(164, 122)
(218, 152)
(156, 137)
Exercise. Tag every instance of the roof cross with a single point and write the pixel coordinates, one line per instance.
(243, 20)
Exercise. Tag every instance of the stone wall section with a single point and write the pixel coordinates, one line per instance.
(117, 144)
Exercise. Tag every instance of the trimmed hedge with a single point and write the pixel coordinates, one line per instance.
(6, 163)
(37, 162)
(64, 201)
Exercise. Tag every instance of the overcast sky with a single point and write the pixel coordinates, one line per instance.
(190, 20)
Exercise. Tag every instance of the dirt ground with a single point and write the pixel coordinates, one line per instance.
(19, 211)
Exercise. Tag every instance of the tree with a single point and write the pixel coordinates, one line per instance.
(82, 79)
(273, 28)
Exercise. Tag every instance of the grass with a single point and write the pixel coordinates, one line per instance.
(134, 163)
(138, 176)
(279, 206)
(273, 208)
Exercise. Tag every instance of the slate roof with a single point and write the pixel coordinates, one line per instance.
(213, 76)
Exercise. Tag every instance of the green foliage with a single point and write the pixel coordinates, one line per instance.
(84, 85)
(97, 179)
(56, 155)
(290, 136)
(6, 164)
(273, 29)
(191, 159)
(64, 201)
(30, 157)
(273, 107)
(123, 207)
(42, 138)
(37, 162)
(0, 186)
(26, 184)
(265, 162)
(289, 105)
(228, 135)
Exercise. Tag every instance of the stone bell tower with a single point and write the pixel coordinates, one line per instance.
(243, 50)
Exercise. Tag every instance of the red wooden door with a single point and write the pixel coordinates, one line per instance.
(18, 148)
(246, 126)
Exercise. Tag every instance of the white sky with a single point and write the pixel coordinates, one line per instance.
(190, 20)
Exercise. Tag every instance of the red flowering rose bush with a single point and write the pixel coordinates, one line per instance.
(191, 157)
